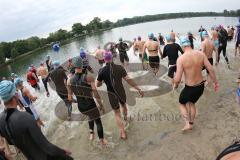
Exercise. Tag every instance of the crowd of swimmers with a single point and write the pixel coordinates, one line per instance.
(23, 129)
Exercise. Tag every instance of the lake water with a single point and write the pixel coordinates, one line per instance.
(181, 26)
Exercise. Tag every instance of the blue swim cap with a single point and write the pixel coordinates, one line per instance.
(83, 54)
(184, 41)
(168, 38)
(204, 34)
(7, 90)
(150, 35)
(56, 63)
(81, 49)
(17, 81)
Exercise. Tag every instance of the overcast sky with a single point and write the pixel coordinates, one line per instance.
(24, 18)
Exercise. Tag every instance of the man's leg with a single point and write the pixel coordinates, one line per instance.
(120, 124)
(125, 111)
(45, 86)
(192, 113)
(219, 53)
(185, 116)
(224, 53)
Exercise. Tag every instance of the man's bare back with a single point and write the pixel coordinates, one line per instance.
(140, 46)
(191, 64)
(42, 71)
(214, 35)
(208, 47)
(152, 47)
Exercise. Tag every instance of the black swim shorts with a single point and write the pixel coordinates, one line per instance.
(115, 99)
(171, 71)
(154, 61)
(191, 93)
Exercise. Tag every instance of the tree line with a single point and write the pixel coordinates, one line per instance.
(16, 48)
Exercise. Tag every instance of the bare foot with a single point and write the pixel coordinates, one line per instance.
(103, 141)
(187, 127)
(123, 135)
(91, 136)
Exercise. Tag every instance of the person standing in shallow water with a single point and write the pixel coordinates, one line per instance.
(122, 49)
(83, 87)
(20, 129)
(153, 48)
(112, 75)
(207, 47)
(59, 78)
(43, 73)
(223, 38)
(190, 64)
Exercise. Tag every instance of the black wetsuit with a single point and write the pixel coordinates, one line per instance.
(200, 32)
(231, 149)
(58, 76)
(86, 103)
(190, 37)
(223, 37)
(49, 67)
(20, 129)
(112, 75)
(161, 40)
(171, 50)
(122, 48)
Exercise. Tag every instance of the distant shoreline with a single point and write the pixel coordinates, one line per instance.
(67, 41)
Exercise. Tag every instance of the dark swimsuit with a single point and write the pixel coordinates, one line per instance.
(231, 149)
(191, 93)
(154, 60)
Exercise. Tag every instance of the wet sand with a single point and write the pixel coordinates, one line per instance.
(155, 130)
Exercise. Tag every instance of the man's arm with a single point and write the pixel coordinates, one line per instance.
(180, 49)
(40, 140)
(210, 69)
(164, 52)
(160, 51)
(29, 95)
(133, 84)
(90, 81)
(179, 73)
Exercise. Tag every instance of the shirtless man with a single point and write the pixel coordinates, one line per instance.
(207, 47)
(43, 72)
(99, 55)
(153, 48)
(190, 64)
(215, 37)
(173, 36)
(139, 45)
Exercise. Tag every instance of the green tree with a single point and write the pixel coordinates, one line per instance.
(107, 24)
(33, 43)
(77, 29)
(5, 49)
(94, 25)
(14, 53)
